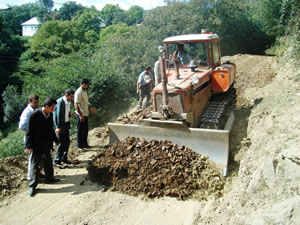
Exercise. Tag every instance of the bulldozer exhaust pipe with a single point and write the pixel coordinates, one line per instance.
(164, 79)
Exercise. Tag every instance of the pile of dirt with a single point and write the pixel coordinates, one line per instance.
(155, 168)
(12, 175)
(135, 117)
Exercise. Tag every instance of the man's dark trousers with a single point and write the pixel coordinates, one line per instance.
(145, 90)
(82, 132)
(63, 148)
(42, 155)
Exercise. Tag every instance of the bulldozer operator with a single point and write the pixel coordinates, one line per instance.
(180, 56)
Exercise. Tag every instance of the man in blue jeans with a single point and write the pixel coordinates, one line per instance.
(82, 108)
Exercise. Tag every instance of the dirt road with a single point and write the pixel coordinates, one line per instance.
(262, 186)
(75, 200)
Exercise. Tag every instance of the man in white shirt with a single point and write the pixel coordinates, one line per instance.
(144, 86)
(33, 103)
(82, 108)
(61, 121)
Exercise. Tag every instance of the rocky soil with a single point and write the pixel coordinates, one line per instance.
(155, 168)
(135, 117)
(262, 186)
(12, 175)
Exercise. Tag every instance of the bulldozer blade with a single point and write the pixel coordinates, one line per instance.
(211, 142)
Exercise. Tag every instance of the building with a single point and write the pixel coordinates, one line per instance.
(30, 27)
(102, 22)
(5, 9)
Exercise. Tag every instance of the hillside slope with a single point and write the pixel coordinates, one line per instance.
(265, 188)
(262, 186)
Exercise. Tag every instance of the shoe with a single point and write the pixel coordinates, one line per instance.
(31, 191)
(52, 180)
(58, 165)
(67, 162)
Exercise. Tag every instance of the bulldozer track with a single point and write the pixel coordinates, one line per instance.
(217, 110)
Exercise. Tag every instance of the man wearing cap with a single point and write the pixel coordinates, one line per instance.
(144, 86)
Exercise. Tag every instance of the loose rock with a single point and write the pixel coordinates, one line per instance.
(155, 168)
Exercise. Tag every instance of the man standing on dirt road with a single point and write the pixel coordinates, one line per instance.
(61, 120)
(144, 86)
(82, 108)
(33, 103)
(39, 141)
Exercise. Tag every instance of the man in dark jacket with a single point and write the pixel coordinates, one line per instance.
(61, 120)
(39, 140)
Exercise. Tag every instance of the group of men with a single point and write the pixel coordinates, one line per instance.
(49, 124)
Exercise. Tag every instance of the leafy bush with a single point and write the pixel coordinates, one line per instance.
(12, 145)
(14, 103)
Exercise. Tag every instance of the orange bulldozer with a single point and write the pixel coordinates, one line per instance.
(193, 105)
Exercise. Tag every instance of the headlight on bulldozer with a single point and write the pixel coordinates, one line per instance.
(195, 80)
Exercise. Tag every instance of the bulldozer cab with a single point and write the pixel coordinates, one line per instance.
(203, 50)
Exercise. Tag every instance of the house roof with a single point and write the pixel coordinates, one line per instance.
(32, 21)
(4, 9)
(190, 37)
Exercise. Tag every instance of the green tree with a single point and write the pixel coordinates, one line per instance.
(56, 38)
(290, 14)
(89, 20)
(116, 31)
(228, 18)
(112, 14)
(14, 103)
(267, 14)
(48, 4)
(135, 15)
(70, 9)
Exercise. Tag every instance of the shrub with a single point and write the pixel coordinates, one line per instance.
(13, 145)
(13, 104)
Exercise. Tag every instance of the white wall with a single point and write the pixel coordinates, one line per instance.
(29, 30)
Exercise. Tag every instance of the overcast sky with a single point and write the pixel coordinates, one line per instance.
(99, 4)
